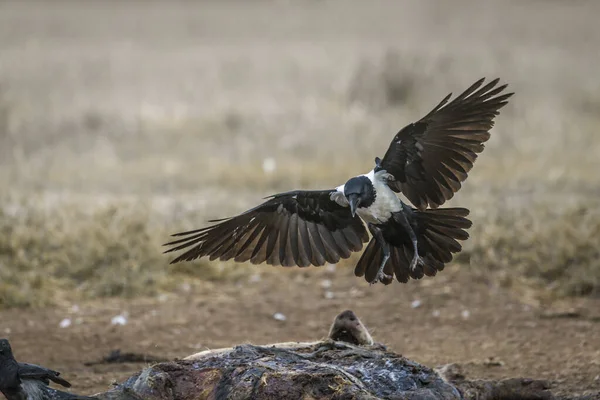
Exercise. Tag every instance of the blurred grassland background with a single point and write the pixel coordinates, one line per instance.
(121, 123)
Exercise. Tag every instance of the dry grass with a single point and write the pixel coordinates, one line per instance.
(115, 250)
(554, 247)
(178, 111)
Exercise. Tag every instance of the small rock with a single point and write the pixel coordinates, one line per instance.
(279, 316)
(597, 378)
(465, 314)
(330, 268)
(326, 283)
(185, 287)
(254, 278)
(65, 323)
(74, 308)
(354, 292)
(163, 298)
(119, 320)
(436, 313)
(416, 304)
(329, 294)
(7, 331)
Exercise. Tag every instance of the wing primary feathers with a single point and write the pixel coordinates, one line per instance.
(298, 228)
(317, 246)
(331, 254)
(239, 250)
(440, 104)
(304, 250)
(274, 243)
(423, 156)
(283, 235)
(259, 253)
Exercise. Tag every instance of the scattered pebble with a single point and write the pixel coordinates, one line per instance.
(597, 378)
(254, 278)
(326, 283)
(163, 298)
(65, 323)
(330, 268)
(279, 316)
(74, 308)
(7, 331)
(436, 313)
(416, 304)
(269, 165)
(185, 287)
(465, 314)
(329, 294)
(119, 320)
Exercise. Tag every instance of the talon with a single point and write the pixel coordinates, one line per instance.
(381, 277)
(417, 260)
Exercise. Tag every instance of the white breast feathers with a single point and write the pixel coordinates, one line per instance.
(386, 202)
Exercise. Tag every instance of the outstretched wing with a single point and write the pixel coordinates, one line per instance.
(429, 159)
(32, 371)
(298, 228)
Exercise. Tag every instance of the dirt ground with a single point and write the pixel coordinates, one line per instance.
(490, 333)
(179, 109)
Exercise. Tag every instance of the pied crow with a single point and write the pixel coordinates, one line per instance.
(426, 161)
(21, 381)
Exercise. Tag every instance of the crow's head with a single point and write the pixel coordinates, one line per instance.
(9, 369)
(5, 350)
(360, 193)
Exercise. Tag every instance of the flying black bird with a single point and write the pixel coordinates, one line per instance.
(426, 161)
(20, 381)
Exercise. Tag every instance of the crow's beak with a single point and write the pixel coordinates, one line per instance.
(354, 202)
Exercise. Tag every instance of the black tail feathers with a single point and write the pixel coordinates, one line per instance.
(438, 232)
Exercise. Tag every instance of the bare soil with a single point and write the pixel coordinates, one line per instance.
(490, 333)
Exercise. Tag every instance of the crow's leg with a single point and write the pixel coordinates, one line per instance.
(400, 218)
(385, 246)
